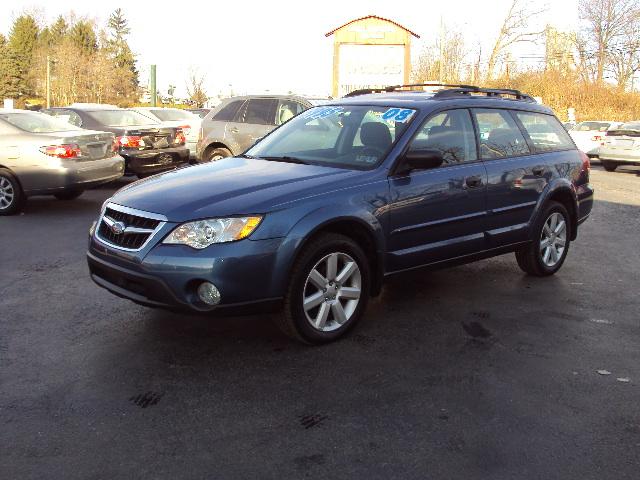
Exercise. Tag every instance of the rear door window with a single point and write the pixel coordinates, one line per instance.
(258, 111)
(499, 135)
(546, 133)
(229, 111)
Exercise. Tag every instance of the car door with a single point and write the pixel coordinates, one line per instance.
(254, 120)
(438, 214)
(517, 175)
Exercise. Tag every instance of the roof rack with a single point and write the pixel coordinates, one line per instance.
(448, 91)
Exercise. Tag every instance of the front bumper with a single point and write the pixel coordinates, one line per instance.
(148, 162)
(167, 276)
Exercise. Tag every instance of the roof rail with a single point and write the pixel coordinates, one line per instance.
(489, 92)
(449, 90)
(395, 88)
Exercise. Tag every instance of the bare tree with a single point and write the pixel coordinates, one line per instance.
(607, 24)
(442, 59)
(514, 29)
(195, 90)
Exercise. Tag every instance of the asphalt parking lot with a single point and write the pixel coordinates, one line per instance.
(472, 372)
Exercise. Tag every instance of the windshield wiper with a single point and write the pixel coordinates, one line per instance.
(244, 155)
(286, 158)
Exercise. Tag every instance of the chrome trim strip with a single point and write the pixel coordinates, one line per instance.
(131, 211)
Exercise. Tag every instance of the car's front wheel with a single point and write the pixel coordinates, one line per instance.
(550, 243)
(328, 291)
(11, 196)
(608, 165)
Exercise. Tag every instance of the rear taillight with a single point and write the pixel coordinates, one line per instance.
(130, 141)
(62, 151)
(586, 163)
(186, 129)
(180, 138)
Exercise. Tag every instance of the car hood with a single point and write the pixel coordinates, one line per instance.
(231, 186)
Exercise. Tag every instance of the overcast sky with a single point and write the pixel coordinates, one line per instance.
(277, 45)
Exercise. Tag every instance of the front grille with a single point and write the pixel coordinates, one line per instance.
(132, 240)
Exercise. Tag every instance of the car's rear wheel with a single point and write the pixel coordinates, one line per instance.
(216, 154)
(69, 194)
(550, 244)
(608, 165)
(328, 292)
(12, 197)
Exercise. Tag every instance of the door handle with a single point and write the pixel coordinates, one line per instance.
(537, 171)
(234, 130)
(473, 182)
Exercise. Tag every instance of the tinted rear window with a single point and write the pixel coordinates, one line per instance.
(260, 111)
(546, 133)
(120, 118)
(229, 111)
(167, 115)
(37, 122)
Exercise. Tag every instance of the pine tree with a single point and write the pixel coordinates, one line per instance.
(19, 55)
(122, 55)
(59, 29)
(84, 37)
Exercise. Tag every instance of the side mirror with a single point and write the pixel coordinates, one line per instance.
(422, 159)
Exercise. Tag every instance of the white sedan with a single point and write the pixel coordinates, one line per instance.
(589, 136)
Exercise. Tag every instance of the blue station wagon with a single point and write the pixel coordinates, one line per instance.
(312, 218)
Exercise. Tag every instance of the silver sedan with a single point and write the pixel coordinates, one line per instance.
(621, 146)
(40, 155)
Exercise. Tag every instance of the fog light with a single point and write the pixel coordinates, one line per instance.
(208, 293)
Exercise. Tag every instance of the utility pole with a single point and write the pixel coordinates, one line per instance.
(441, 62)
(152, 86)
(48, 81)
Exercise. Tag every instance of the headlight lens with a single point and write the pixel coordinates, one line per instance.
(203, 233)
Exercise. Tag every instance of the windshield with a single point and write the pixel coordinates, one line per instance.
(591, 126)
(348, 136)
(167, 115)
(37, 122)
(120, 118)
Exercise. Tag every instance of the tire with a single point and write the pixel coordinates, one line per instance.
(296, 320)
(70, 194)
(12, 198)
(216, 154)
(609, 166)
(531, 259)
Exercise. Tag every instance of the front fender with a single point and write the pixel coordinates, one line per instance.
(312, 223)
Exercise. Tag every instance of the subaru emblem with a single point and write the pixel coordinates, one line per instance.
(118, 228)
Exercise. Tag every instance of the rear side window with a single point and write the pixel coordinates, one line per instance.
(449, 132)
(546, 133)
(500, 136)
(229, 111)
(259, 111)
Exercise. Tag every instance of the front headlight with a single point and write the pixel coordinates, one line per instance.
(202, 233)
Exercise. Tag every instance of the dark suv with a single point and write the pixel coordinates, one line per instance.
(147, 146)
(314, 216)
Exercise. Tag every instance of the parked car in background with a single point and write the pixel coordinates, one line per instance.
(201, 112)
(40, 155)
(588, 136)
(569, 125)
(621, 146)
(147, 146)
(238, 122)
(176, 117)
(316, 215)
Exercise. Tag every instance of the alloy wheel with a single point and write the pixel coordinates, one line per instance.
(553, 239)
(332, 292)
(7, 193)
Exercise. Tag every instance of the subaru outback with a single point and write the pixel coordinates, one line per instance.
(313, 218)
